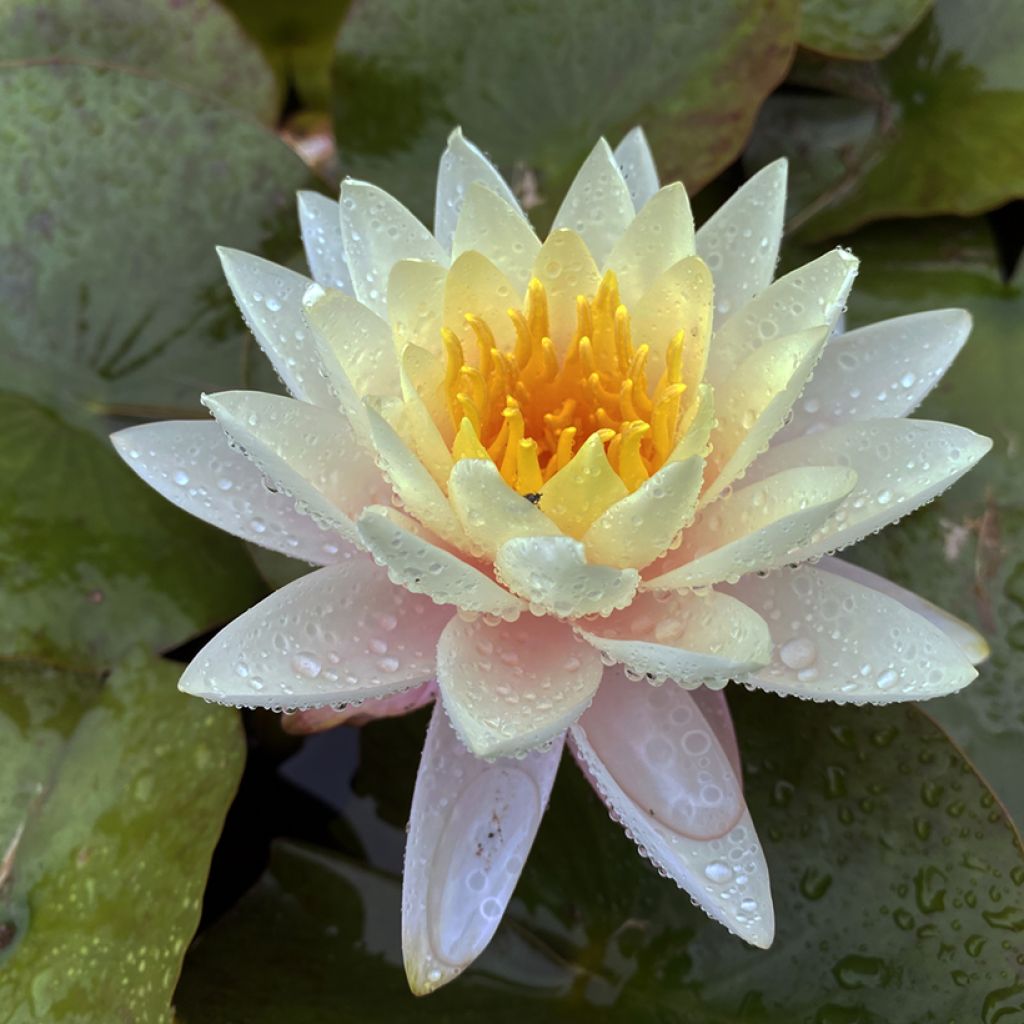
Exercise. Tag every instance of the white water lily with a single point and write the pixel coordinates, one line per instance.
(552, 476)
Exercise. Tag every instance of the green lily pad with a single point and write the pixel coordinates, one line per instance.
(114, 304)
(298, 39)
(104, 874)
(932, 128)
(858, 29)
(194, 43)
(897, 878)
(535, 85)
(965, 551)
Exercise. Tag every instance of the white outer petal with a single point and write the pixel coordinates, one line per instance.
(471, 827)
(339, 635)
(514, 686)
(270, 299)
(463, 164)
(900, 465)
(837, 640)
(963, 634)
(320, 224)
(636, 162)
(688, 638)
(740, 242)
(880, 371)
(726, 875)
(378, 232)
(597, 206)
(191, 464)
(306, 451)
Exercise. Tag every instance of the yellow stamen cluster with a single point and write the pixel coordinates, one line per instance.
(530, 411)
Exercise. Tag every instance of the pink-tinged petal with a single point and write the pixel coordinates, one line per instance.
(883, 370)
(463, 165)
(598, 206)
(270, 300)
(806, 297)
(415, 559)
(636, 162)
(837, 640)
(191, 464)
(304, 723)
(378, 232)
(688, 638)
(470, 830)
(900, 465)
(658, 237)
(715, 709)
(753, 529)
(514, 686)
(320, 224)
(340, 635)
(740, 242)
(753, 405)
(963, 634)
(657, 763)
(308, 453)
(553, 575)
(498, 230)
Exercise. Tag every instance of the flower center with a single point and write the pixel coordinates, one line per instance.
(530, 410)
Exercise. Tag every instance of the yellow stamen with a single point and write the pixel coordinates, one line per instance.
(528, 475)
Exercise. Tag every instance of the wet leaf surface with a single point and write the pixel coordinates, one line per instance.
(535, 85)
(194, 43)
(898, 885)
(114, 303)
(118, 818)
(858, 29)
(965, 551)
(930, 129)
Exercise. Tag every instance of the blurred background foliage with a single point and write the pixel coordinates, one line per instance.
(138, 134)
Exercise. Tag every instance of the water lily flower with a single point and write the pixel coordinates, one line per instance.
(571, 487)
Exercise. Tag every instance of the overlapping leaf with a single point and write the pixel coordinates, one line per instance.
(535, 84)
(858, 29)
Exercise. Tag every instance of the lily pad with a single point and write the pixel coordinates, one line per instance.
(932, 128)
(965, 551)
(194, 43)
(858, 29)
(105, 871)
(114, 305)
(535, 84)
(898, 886)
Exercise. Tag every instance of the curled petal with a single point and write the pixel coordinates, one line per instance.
(470, 829)
(659, 766)
(514, 686)
(340, 635)
(836, 640)
(715, 709)
(415, 562)
(191, 464)
(553, 575)
(688, 638)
